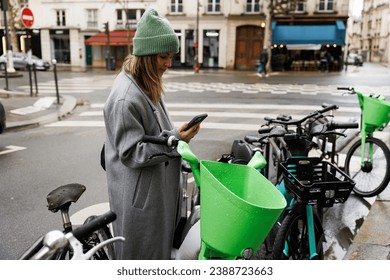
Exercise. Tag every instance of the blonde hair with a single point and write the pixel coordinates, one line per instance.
(145, 73)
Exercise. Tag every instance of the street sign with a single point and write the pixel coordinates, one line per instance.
(27, 17)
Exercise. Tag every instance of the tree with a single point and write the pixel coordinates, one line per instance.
(14, 20)
(125, 6)
(274, 8)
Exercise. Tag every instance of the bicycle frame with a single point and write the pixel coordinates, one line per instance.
(297, 146)
(310, 229)
(278, 157)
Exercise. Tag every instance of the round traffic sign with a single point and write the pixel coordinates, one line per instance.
(27, 17)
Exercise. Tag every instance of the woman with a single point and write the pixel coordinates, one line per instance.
(143, 178)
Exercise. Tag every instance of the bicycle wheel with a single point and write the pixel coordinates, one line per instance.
(292, 240)
(98, 236)
(371, 178)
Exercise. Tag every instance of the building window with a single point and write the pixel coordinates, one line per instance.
(300, 6)
(326, 6)
(92, 18)
(252, 6)
(119, 18)
(133, 15)
(176, 6)
(60, 17)
(214, 6)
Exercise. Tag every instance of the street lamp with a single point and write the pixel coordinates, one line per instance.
(10, 62)
(196, 40)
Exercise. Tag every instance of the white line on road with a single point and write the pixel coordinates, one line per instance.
(245, 106)
(205, 124)
(10, 149)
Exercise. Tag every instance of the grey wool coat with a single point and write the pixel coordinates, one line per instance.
(143, 178)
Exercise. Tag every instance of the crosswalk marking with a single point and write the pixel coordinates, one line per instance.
(104, 82)
(10, 149)
(223, 113)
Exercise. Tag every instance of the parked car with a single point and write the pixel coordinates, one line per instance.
(2, 118)
(21, 61)
(355, 59)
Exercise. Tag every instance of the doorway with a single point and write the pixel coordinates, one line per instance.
(249, 44)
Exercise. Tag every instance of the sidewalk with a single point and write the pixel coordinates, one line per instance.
(23, 110)
(372, 241)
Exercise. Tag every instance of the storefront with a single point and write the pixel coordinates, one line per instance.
(102, 49)
(309, 47)
(27, 39)
(60, 45)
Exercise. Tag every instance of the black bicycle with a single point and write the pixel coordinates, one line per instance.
(99, 240)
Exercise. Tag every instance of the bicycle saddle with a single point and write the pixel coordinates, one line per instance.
(64, 195)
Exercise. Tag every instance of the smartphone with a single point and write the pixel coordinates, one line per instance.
(196, 119)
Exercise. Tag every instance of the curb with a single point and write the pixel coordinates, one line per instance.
(372, 241)
(67, 106)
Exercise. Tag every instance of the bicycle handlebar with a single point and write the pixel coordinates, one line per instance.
(300, 121)
(337, 125)
(87, 229)
(328, 128)
(170, 141)
(345, 88)
(265, 130)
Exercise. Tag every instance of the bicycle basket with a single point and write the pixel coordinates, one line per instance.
(314, 181)
(239, 206)
(376, 112)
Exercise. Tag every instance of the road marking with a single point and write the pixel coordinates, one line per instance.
(211, 114)
(10, 149)
(207, 124)
(76, 124)
(244, 106)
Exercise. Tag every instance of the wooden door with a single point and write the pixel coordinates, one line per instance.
(249, 44)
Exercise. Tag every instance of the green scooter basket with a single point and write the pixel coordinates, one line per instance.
(239, 206)
(376, 112)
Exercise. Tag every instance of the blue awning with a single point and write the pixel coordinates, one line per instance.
(309, 34)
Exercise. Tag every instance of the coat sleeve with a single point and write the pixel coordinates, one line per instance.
(130, 122)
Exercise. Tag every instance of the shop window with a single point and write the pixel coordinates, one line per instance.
(210, 48)
(176, 58)
(62, 49)
(189, 48)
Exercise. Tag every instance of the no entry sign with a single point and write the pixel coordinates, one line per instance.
(27, 17)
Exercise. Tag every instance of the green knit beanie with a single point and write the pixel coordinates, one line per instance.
(154, 35)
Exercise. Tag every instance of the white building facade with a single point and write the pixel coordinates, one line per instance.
(227, 34)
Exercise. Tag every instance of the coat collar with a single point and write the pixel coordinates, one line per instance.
(162, 118)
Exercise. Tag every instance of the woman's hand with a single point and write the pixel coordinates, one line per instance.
(187, 135)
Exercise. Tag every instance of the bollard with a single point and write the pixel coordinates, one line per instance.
(6, 75)
(55, 79)
(30, 79)
(35, 79)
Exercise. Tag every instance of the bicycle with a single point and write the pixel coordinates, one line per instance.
(368, 159)
(299, 233)
(55, 242)
(236, 214)
(60, 200)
